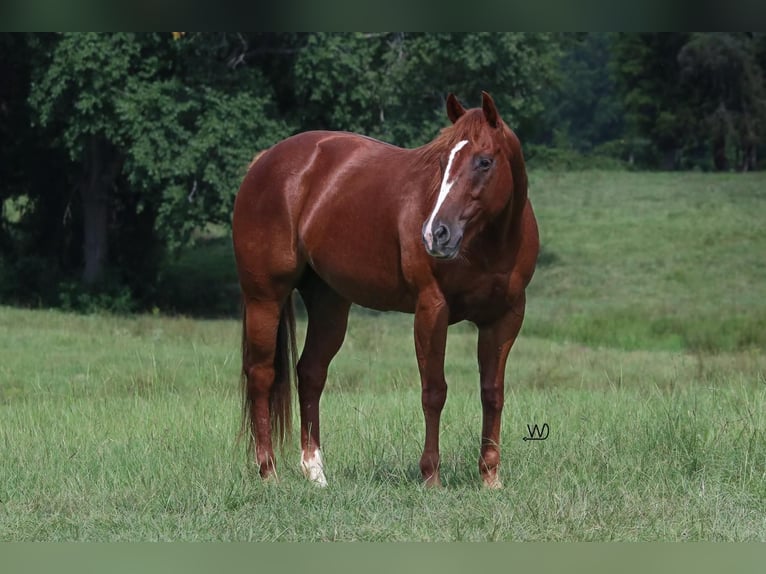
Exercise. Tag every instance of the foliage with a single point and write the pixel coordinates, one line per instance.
(113, 297)
(184, 140)
(699, 98)
(583, 109)
(647, 73)
(724, 85)
(144, 138)
(605, 157)
(393, 86)
(160, 131)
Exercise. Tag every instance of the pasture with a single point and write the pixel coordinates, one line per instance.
(643, 350)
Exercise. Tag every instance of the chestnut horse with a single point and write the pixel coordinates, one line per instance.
(444, 231)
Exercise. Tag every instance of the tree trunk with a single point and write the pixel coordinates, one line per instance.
(749, 158)
(669, 159)
(719, 153)
(101, 167)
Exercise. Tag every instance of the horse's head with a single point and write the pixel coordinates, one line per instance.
(479, 162)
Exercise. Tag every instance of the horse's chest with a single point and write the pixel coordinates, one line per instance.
(483, 298)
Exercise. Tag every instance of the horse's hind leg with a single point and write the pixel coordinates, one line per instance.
(260, 342)
(327, 321)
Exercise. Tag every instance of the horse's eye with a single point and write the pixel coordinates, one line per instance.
(484, 163)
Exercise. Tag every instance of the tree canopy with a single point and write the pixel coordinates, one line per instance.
(116, 147)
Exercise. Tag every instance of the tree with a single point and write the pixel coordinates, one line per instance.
(724, 85)
(647, 72)
(699, 99)
(158, 131)
(583, 110)
(32, 249)
(393, 86)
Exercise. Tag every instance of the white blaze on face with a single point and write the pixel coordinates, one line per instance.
(443, 192)
(313, 467)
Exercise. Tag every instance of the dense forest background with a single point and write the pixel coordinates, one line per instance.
(117, 151)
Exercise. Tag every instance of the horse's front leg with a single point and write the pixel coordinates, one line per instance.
(495, 341)
(431, 321)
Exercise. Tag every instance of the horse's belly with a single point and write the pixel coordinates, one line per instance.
(373, 297)
(367, 279)
(349, 236)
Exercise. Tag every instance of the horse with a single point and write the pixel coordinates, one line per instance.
(444, 231)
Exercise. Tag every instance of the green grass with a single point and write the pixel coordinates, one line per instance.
(125, 429)
(650, 260)
(642, 349)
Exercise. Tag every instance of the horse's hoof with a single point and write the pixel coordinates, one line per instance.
(492, 482)
(433, 481)
(269, 477)
(313, 469)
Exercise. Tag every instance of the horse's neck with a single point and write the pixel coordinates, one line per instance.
(501, 238)
(426, 165)
(511, 218)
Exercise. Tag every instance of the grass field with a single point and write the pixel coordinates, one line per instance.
(651, 260)
(643, 351)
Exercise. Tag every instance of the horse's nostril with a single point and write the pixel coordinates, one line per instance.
(441, 234)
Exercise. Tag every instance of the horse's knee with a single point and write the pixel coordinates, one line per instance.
(434, 396)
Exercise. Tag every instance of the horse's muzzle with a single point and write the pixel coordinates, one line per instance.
(441, 241)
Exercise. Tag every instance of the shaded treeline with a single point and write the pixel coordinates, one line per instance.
(115, 149)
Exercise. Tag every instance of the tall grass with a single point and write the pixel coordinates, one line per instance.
(125, 429)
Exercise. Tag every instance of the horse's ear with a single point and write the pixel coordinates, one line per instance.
(490, 111)
(454, 108)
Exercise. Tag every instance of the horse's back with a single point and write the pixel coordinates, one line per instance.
(298, 149)
(306, 162)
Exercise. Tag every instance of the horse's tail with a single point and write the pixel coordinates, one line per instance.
(285, 359)
(280, 396)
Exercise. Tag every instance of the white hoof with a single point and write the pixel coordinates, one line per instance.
(492, 483)
(313, 468)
